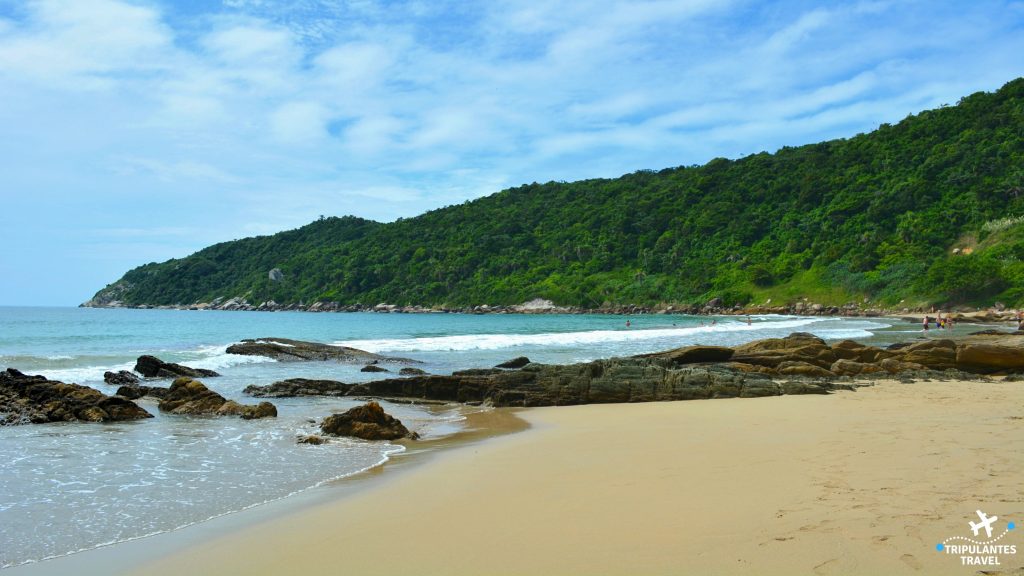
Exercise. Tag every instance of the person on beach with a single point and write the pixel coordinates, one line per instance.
(925, 323)
(627, 324)
(748, 320)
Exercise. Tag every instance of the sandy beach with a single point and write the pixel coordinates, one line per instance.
(864, 482)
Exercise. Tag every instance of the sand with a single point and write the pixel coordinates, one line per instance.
(864, 482)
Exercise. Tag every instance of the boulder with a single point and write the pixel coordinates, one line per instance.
(850, 350)
(800, 368)
(299, 387)
(986, 357)
(843, 367)
(368, 422)
(515, 363)
(312, 439)
(933, 354)
(36, 400)
(410, 371)
(120, 378)
(893, 365)
(153, 367)
(372, 368)
(693, 354)
(797, 347)
(188, 396)
(287, 350)
(136, 392)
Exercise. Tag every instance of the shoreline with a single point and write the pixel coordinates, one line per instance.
(853, 482)
(127, 556)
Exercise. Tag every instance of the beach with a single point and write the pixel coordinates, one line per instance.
(859, 482)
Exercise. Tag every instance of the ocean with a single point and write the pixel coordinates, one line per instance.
(72, 487)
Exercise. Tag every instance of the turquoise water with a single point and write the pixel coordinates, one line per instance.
(70, 487)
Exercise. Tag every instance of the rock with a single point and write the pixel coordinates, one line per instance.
(285, 350)
(275, 275)
(986, 355)
(312, 439)
(850, 350)
(120, 378)
(372, 368)
(368, 422)
(852, 368)
(893, 366)
(299, 387)
(136, 392)
(153, 367)
(514, 363)
(188, 396)
(797, 347)
(933, 354)
(800, 368)
(36, 400)
(693, 354)
(409, 371)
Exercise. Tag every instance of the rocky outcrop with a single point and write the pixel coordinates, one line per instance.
(514, 363)
(368, 422)
(299, 387)
(797, 347)
(933, 354)
(373, 368)
(153, 367)
(286, 350)
(136, 392)
(410, 371)
(188, 396)
(36, 400)
(693, 354)
(120, 378)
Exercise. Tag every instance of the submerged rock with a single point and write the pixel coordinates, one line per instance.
(372, 368)
(153, 367)
(188, 396)
(286, 350)
(514, 363)
(120, 378)
(410, 371)
(36, 400)
(368, 422)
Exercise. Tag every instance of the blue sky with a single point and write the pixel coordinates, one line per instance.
(137, 131)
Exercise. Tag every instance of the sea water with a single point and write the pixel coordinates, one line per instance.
(75, 486)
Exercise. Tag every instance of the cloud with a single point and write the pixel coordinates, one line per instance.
(261, 115)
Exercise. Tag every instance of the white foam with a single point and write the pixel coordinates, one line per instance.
(500, 341)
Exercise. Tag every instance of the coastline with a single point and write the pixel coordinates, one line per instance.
(128, 556)
(854, 482)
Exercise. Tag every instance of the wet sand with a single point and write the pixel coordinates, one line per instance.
(864, 482)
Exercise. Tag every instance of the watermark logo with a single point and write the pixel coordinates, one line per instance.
(978, 549)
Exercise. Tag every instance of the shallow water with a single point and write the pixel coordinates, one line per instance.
(69, 487)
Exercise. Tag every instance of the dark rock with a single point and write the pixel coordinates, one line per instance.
(477, 372)
(286, 350)
(514, 363)
(693, 354)
(312, 439)
(368, 422)
(153, 367)
(135, 392)
(120, 378)
(409, 371)
(372, 368)
(188, 396)
(299, 387)
(35, 399)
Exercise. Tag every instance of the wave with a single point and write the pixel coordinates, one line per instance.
(569, 339)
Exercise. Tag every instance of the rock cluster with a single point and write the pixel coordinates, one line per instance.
(287, 350)
(35, 400)
(188, 396)
(368, 422)
(120, 378)
(153, 367)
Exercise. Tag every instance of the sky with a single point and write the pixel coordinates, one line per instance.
(138, 131)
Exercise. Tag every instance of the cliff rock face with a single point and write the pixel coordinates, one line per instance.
(35, 400)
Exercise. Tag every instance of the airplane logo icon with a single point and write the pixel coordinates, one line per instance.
(986, 523)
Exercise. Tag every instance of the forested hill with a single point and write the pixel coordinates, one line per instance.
(928, 210)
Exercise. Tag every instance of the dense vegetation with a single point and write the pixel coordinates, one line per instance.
(926, 210)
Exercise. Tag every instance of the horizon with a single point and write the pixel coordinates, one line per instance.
(142, 131)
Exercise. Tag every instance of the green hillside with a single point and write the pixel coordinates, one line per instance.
(926, 211)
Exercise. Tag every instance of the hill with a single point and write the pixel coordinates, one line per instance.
(925, 211)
